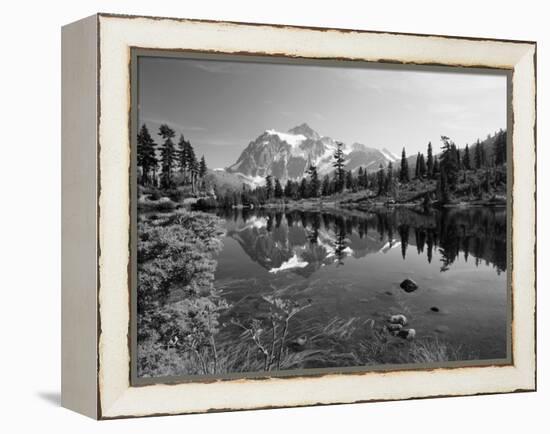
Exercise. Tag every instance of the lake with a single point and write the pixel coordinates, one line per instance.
(349, 265)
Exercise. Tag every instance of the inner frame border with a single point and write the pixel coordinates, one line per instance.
(249, 57)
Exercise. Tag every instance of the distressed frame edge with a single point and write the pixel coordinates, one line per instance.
(79, 218)
(529, 386)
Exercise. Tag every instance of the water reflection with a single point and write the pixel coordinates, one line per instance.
(305, 241)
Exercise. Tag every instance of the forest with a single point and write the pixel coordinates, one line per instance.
(170, 172)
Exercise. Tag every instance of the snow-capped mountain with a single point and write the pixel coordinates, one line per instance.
(288, 155)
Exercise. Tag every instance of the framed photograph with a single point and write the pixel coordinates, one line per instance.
(262, 216)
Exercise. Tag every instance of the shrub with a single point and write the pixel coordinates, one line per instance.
(176, 253)
(176, 194)
(163, 204)
(154, 195)
(206, 203)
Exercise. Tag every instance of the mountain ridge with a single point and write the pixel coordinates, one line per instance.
(288, 155)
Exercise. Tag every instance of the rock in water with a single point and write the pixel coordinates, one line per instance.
(442, 329)
(434, 309)
(394, 328)
(398, 319)
(409, 334)
(409, 285)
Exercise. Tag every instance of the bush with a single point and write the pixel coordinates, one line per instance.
(176, 253)
(206, 203)
(154, 195)
(176, 194)
(162, 204)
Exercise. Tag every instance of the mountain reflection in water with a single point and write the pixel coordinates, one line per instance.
(350, 264)
(304, 241)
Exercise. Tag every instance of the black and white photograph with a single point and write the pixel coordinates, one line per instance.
(309, 217)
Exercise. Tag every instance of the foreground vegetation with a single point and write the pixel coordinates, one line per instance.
(175, 255)
(187, 327)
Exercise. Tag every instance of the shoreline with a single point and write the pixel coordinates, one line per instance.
(328, 204)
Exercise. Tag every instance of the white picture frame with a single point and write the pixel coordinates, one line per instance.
(96, 107)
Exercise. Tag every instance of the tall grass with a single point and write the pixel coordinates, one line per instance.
(334, 344)
(433, 350)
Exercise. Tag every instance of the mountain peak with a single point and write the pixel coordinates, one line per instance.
(305, 130)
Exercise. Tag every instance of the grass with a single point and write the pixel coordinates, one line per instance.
(333, 344)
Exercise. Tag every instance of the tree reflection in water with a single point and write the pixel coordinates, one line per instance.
(475, 232)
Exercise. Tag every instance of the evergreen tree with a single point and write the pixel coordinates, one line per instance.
(168, 155)
(430, 161)
(478, 155)
(466, 158)
(449, 163)
(365, 180)
(146, 156)
(360, 177)
(325, 188)
(390, 187)
(288, 189)
(338, 164)
(278, 189)
(303, 190)
(202, 167)
(436, 167)
(499, 148)
(404, 171)
(314, 183)
(192, 165)
(487, 181)
(182, 153)
(442, 188)
(417, 166)
(189, 166)
(268, 187)
(349, 180)
(422, 166)
(381, 180)
(245, 196)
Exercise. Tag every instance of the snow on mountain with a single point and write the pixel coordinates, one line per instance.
(293, 140)
(255, 222)
(293, 262)
(289, 155)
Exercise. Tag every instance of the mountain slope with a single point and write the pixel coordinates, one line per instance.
(289, 155)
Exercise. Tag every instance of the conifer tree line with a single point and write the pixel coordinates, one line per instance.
(443, 169)
(448, 169)
(160, 169)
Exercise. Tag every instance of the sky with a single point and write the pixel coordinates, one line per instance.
(221, 106)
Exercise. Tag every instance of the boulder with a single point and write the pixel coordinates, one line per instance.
(394, 328)
(408, 334)
(409, 285)
(398, 319)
